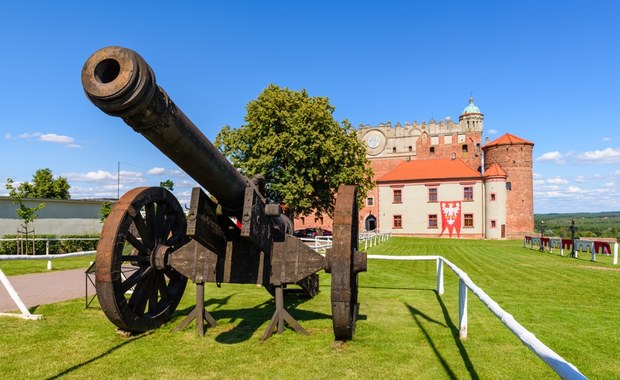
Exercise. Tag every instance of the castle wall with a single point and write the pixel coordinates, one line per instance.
(516, 161)
(495, 206)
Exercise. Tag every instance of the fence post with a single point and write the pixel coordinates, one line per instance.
(440, 289)
(47, 253)
(615, 261)
(462, 309)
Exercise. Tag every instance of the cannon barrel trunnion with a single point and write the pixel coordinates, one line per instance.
(149, 248)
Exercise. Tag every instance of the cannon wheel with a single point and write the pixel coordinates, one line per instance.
(136, 288)
(344, 277)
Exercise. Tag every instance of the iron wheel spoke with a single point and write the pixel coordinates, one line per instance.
(144, 231)
(135, 278)
(137, 244)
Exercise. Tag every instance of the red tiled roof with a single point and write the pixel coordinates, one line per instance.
(443, 168)
(495, 171)
(508, 139)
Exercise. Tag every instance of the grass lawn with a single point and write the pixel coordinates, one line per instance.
(405, 329)
(17, 267)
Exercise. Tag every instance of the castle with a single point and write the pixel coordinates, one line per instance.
(437, 179)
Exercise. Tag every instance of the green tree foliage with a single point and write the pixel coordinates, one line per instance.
(293, 140)
(25, 213)
(104, 211)
(167, 184)
(43, 185)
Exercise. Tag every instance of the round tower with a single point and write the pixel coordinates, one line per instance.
(514, 156)
(471, 122)
(495, 202)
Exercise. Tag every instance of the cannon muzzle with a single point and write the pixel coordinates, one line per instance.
(120, 83)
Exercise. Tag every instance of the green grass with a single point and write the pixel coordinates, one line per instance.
(17, 267)
(405, 329)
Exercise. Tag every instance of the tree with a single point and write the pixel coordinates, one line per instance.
(43, 185)
(25, 213)
(104, 211)
(293, 140)
(167, 184)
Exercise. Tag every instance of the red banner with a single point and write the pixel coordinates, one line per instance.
(451, 217)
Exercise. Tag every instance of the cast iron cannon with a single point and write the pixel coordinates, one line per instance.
(149, 248)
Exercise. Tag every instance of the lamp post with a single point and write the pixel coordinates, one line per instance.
(572, 237)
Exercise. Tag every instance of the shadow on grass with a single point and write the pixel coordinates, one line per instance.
(419, 316)
(251, 319)
(100, 356)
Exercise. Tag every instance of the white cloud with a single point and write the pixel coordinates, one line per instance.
(8, 136)
(605, 156)
(557, 181)
(574, 189)
(156, 171)
(52, 137)
(96, 176)
(492, 131)
(67, 141)
(555, 156)
(605, 139)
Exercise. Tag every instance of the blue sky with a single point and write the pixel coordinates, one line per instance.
(546, 71)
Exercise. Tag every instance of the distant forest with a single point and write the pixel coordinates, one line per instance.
(597, 224)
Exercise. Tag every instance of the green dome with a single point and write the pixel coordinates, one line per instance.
(471, 107)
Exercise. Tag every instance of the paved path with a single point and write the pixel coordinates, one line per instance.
(44, 288)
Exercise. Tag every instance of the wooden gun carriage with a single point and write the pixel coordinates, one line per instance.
(149, 248)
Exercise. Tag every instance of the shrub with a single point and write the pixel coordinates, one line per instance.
(72, 244)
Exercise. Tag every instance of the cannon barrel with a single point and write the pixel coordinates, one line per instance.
(120, 83)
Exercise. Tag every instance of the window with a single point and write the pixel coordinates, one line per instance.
(468, 193)
(493, 224)
(398, 221)
(370, 201)
(318, 220)
(398, 196)
(410, 148)
(432, 221)
(432, 150)
(432, 194)
(394, 150)
(492, 197)
(303, 221)
(468, 220)
(464, 148)
(508, 186)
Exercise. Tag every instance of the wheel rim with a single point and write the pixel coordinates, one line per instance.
(136, 288)
(341, 264)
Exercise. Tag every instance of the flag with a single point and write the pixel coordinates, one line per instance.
(451, 217)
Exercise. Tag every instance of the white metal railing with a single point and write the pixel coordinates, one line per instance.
(25, 313)
(563, 368)
(581, 245)
(47, 247)
(367, 239)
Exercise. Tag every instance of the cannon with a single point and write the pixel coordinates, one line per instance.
(149, 247)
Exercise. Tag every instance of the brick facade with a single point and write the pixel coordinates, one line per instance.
(388, 146)
(514, 156)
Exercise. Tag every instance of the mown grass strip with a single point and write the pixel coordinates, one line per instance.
(405, 329)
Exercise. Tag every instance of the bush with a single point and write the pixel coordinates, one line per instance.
(55, 245)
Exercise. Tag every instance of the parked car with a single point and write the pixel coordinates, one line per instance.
(311, 232)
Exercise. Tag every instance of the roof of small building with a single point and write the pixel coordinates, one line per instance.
(508, 139)
(471, 107)
(495, 171)
(438, 169)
